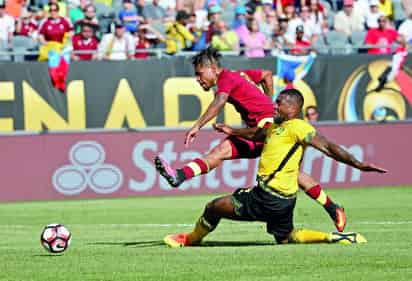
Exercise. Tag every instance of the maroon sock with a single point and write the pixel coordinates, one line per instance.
(195, 168)
(316, 193)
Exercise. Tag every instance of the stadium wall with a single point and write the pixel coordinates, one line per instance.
(163, 92)
(118, 163)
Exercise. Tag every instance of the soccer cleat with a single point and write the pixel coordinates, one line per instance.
(347, 238)
(167, 172)
(337, 214)
(177, 240)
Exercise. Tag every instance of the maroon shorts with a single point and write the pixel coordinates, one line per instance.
(244, 148)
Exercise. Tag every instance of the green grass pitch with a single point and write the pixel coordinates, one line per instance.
(120, 239)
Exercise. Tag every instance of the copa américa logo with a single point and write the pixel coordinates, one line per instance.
(359, 100)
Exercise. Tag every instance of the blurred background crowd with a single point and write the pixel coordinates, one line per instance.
(132, 29)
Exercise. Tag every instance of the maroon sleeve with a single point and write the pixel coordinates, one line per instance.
(43, 28)
(75, 41)
(254, 74)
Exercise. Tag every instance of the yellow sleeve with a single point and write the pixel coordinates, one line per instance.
(303, 130)
(185, 33)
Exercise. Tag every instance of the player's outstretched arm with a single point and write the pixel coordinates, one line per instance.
(267, 82)
(336, 152)
(256, 134)
(212, 111)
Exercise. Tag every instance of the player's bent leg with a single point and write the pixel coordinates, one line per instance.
(196, 167)
(315, 191)
(214, 211)
(221, 152)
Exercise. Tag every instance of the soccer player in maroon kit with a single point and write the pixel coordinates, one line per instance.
(256, 109)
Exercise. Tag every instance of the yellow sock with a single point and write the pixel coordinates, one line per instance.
(309, 236)
(201, 229)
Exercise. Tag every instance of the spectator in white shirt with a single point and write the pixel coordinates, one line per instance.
(348, 20)
(7, 28)
(119, 45)
(373, 15)
(311, 30)
(405, 29)
(318, 17)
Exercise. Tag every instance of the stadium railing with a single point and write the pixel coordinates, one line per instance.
(160, 52)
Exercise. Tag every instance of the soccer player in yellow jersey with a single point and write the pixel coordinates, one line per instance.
(273, 199)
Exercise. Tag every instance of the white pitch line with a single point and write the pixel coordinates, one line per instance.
(247, 224)
(383, 222)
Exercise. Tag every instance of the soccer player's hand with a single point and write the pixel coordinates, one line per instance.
(191, 135)
(222, 128)
(369, 167)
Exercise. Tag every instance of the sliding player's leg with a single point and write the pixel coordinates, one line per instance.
(280, 225)
(315, 191)
(306, 236)
(230, 148)
(222, 207)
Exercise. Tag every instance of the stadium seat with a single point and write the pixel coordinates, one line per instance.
(320, 46)
(21, 44)
(102, 9)
(4, 48)
(358, 37)
(338, 42)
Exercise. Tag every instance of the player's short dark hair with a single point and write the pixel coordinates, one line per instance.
(314, 107)
(87, 24)
(207, 57)
(55, 5)
(89, 6)
(294, 94)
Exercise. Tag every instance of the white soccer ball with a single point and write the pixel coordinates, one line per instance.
(55, 238)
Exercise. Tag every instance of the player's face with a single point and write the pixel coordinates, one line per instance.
(282, 109)
(206, 76)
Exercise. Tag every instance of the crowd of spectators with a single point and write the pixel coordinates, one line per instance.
(116, 30)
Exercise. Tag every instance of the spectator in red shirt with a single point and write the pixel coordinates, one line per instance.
(55, 27)
(383, 35)
(141, 44)
(27, 25)
(85, 41)
(300, 47)
(146, 38)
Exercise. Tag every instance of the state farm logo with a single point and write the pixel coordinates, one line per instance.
(87, 168)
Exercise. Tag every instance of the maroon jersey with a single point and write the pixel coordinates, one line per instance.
(54, 29)
(80, 44)
(27, 27)
(252, 104)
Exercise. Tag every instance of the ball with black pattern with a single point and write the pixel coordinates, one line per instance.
(55, 238)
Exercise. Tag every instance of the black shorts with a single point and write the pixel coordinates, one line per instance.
(255, 204)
